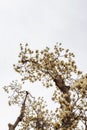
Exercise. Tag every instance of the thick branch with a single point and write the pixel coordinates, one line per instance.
(61, 84)
(57, 79)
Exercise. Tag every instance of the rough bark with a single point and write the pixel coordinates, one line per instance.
(61, 84)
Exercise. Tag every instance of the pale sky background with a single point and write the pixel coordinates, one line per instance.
(40, 23)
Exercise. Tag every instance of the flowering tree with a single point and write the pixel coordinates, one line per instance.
(54, 68)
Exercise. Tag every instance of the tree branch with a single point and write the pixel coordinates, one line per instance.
(20, 117)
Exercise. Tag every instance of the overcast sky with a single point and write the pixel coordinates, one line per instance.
(40, 23)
